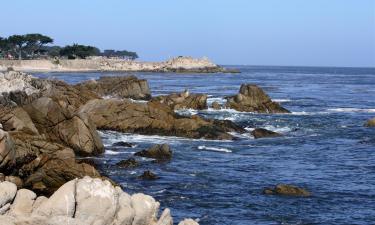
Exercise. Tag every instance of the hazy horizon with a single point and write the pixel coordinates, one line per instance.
(288, 33)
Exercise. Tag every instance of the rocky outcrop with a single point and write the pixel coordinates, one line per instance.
(288, 190)
(183, 100)
(118, 87)
(128, 163)
(152, 118)
(7, 150)
(61, 124)
(263, 133)
(188, 222)
(76, 203)
(370, 123)
(148, 175)
(159, 152)
(216, 105)
(252, 98)
(178, 64)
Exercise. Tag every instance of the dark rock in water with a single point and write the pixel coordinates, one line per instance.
(183, 100)
(148, 175)
(252, 98)
(150, 118)
(216, 105)
(288, 190)
(118, 87)
(159, 152)
(123, 144)
(263, 133)
(128, 163)
(370, 123)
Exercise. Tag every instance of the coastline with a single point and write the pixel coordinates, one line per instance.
(175, 65)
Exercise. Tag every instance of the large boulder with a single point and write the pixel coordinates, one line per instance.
(16, 119)
(370, 123)
(158, 152)
(7, 150)
(152, 118)
(63, 125)
(252, 98)
(183, 100)
(81, 201)
(118, 87)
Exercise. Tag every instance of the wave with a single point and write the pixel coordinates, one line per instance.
(351, 110)
(281, 100)
(109, 152)
(203, 147)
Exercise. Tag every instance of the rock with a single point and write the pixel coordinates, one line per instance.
(8, 191)
(2, 177)
(145, 209)
(216, 105)
(263, 133)
(61, 203)
(252, 98)
(129, 163)
(150, 118)
(165, 218)
(64, 126)
(285, 189)
(183, 100)
(23, 203)
(370, 123)
(16, 119)
(81, 201)
(123, 144)
(7, 152)
(15, 180)
(188, 222)
(119, 87)
(148, 175)
(159, 152)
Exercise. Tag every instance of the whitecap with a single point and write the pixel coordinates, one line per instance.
(282, 100)
(202, 147)
(109, 152)
(351, 110)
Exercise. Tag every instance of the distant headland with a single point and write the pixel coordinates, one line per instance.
(34, 53)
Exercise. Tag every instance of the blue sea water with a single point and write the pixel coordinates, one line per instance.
(325, 148)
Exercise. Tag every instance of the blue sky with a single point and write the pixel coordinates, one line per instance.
(263, 32)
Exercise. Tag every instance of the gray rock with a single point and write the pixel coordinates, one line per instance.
(188, 222)
(23, 203)
(145, 208)
(8, 191)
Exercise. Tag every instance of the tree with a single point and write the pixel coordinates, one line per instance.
(79, 51)
(122, 54)
(34, 43)
(17, 43)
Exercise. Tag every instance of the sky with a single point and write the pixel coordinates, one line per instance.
(229, 32)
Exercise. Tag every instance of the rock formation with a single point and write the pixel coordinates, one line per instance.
(128, 163)
(370, 123)
(183, 100)
(81, 201)
(152, 118)
(252, 98)
(288, 190)
(263, 133)
(158, 152)
(118, 87)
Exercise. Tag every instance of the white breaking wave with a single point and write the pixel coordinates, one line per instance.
(350, 110)
(281, 100)
(202, 147)
(109, 152)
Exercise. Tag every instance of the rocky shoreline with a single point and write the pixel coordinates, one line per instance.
(45, 124)
(174, 65)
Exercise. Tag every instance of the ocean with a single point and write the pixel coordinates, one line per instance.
(325, 149)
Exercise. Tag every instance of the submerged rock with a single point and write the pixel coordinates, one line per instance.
(370, 123)
(216, 105)
(148, 175)
(285, 189)
(263, 133)
(159, 152)
(252, 98)
(76, 203)
(118, 87)
(128, 163)
(123, 144)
